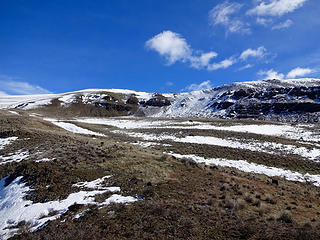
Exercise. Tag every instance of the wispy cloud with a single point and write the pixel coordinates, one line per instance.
(203, 60)
(222, 65)
(196, 87)
(257, 53)
(224, 14)
(276, 7)
(282, 25)
(10, 85)
(169, 84)
(299, 72)
(264, 21)
(245, 67)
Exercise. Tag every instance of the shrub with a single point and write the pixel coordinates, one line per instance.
(286, 217)
(248, 197)
(263, 209)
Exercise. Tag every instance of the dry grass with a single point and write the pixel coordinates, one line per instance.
(181, 199)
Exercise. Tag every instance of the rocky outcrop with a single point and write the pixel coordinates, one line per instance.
(158, 100)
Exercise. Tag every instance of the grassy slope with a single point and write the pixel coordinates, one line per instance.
(181, 200)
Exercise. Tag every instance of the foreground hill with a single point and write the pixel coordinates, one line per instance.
(157, 178)
(284, 100)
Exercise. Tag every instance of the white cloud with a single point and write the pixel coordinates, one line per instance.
(196, 87)
(203, 60)
(17, 87)
(299, 72)
(270, 74)
(223, 14)
(296, 72)
(245, 67)
(223, 64)
(283, 25)
(170, 45)
(264, 21)
(175, 48)
(259, 53)
(276, 7)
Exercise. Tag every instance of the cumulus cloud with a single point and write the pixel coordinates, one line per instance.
(175, 48)
(283, 25)
(258, 53)
(201, 86)
(170, 45)
(19, 87)
(224, 14)
(299, 72)
(222, 65)
(270, 74)
(276, 7)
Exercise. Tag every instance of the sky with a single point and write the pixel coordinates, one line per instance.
(154, 45)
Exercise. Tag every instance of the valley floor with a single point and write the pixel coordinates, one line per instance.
(148, 178)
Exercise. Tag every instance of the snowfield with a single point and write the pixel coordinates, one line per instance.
(267, 147)
(303, 133)
(135, 123)
(297, 132)
(14, 208)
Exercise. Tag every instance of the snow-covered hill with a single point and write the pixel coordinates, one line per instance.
(290, 99)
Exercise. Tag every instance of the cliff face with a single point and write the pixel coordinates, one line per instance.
(270, 103)
(285, 100)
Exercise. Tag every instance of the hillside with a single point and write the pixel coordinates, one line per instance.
(153, 178)
(284, 100)
(123, 164)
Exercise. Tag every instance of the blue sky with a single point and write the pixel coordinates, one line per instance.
(159, 46)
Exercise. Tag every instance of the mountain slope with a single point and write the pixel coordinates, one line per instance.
(288, 100)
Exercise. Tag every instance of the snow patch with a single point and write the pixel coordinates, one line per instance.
(13, 112)
(95, 184)
(268, 147)
(45, 160)
(245, 166)
(67, 99)
(14, 208)
(14, 157)
(135, 123)
(286, 131)
(73, 128)
(6, 141)
(282, 130)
